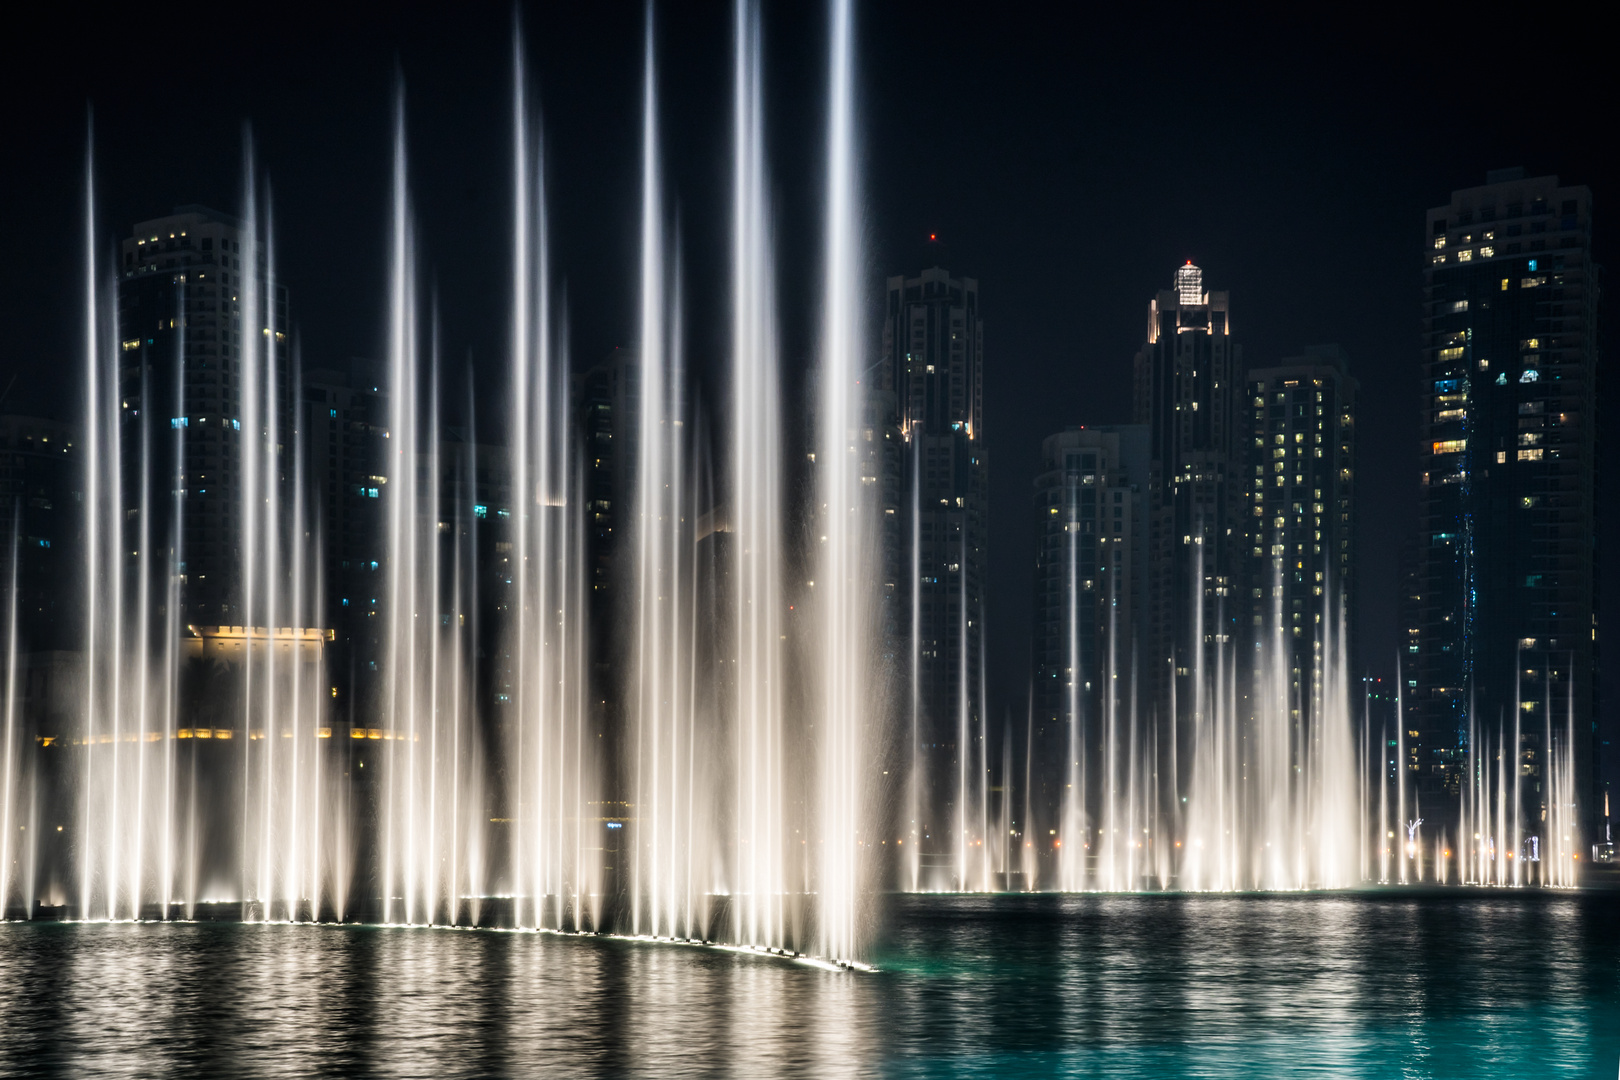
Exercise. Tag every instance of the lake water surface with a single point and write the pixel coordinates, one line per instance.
(1438, 984)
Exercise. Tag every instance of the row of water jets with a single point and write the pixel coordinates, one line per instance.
(731, 830)
(743, 798)
(1291, 793)
(1266, 781)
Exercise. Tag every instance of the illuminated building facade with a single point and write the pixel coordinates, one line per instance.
(41, 526)
(1187, 386)
(931, 375)
(1299, 422)
(343, 417)
(182, 287)
(1505, 612)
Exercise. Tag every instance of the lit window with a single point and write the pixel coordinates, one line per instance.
(1439, 243)
(1451, 446)
(1501, 457)
(1531, 375)
(1531, 455)
(1532, 282)
(1445, 415)
(1487, 253)
(1465, 255)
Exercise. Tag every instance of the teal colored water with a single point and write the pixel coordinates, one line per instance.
(1458, 984)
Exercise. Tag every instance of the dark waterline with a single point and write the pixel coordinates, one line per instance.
(1363, 985)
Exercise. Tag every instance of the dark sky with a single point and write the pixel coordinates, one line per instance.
(1069, 165)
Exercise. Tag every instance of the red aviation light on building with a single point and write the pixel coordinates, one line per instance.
(933, 236)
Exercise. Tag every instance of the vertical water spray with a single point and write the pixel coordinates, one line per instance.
(520, 397)
(401, 470)
(663, 847)
(9, 763)
(964, 743)
(1026, 849)
(756, 465)
(92, 532)
(174, 576)
(646, 862)
(916, 778)
(1073, 825)
(842, 572)
(250, 380)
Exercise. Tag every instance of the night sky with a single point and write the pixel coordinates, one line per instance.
(1068, 165)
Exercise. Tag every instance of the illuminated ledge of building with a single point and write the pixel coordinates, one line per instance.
(227, 641)
(384, 733)
(254, 734)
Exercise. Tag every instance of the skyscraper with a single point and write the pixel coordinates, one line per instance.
(1091, 591)
(933, 341)
(181, 295)
(1300, 424)
(1187, 385)
(1507, 615)
(41, 501)
(343, 418)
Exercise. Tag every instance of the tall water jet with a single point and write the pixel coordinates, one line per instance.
(92, 530)
(9, 764)
(666, 849)
(653, 718)
(759, 876)
(843, 562)
(551, 865)
(399, 802)
(916, 777)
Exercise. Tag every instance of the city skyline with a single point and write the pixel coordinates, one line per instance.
(1057, 258)
(1050, 207)
(849, 539)
(923, 420)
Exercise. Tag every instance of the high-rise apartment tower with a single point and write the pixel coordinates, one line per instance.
(1188, 383)
(1507, 619)
(933, 342)
(1299, 422)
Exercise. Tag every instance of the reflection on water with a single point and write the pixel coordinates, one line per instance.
(1362, 985)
